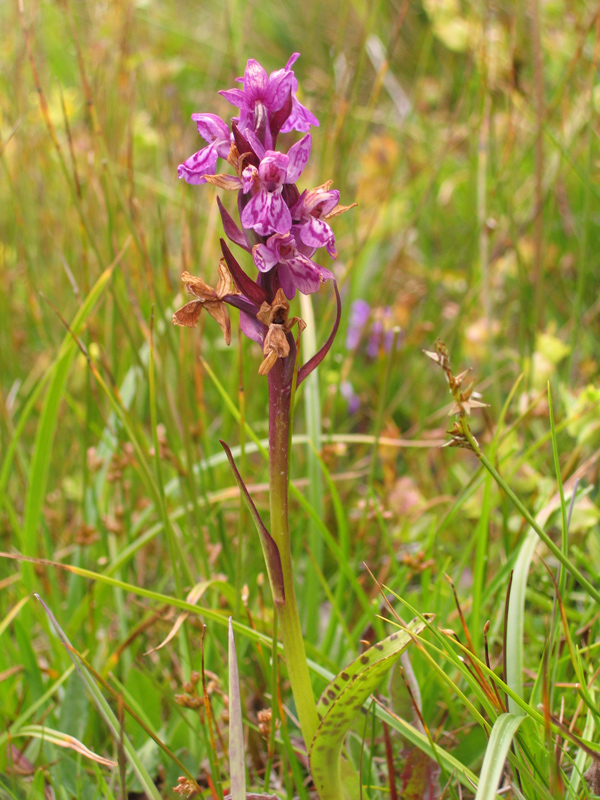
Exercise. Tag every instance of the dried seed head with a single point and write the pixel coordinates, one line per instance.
(188, 701)
(464, 399)
(185, 787)
(264, 722)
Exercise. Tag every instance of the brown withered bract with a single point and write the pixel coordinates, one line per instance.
(237, 161)
(208, 298)
(223, 181)
(275, 317)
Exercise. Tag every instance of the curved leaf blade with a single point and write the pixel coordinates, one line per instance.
(343, 697)
(501, 737)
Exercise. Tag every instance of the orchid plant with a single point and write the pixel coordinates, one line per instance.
(280, 229)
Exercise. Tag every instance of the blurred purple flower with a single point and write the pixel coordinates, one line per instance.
(381, 334)
(296, 271)
(350, 396)
(359, 316)
(204, 162)
(267, 211)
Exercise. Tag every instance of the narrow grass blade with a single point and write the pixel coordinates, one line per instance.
(503, 732)
(516, 608)
(33, 708)
(62, 740)
(312, 407)
(237, 766)
(46, 429)
(106, 713)
(14, 612)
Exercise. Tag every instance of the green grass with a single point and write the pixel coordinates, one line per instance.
(110, 417)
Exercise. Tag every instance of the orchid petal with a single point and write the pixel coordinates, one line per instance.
(252, 328)
(307, 275)
(264, 257)
(255, 143)
(231, 183)
(324, 200)
(286, 282)
(267, 213)
(236, 97)
(279, 118)
(273, 159)
(211, 127)
(298, 156)
(255, 79)
(291, 61)
(279, 218)
(255, 212)
(202, 163)
(279, 90)
(189, 314)
(300, 119)
(249, 175)
(314, 233)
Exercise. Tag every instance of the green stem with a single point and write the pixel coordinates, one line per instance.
(556, 551)
(289, 619)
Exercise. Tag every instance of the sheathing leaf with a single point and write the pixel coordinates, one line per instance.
(341, 700)
(270, 550)
(314, 362)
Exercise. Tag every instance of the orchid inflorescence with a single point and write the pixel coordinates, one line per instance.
(280, 227)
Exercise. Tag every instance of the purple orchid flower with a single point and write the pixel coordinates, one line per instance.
(350, 396)
(311, 229)
(262, 93)
(296, 271)
(360, 311)
(382, 335)
(267, 211)
(204, 162)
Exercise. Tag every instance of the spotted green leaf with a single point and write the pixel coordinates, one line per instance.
(340, 702)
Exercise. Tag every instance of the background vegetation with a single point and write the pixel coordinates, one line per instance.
(468, 135)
